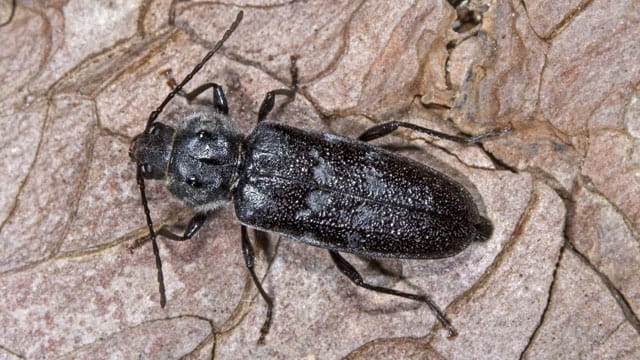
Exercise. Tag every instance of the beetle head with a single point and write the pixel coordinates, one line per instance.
(151, 150)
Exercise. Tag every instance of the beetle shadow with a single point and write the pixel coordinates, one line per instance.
(387, 273)
(266, 244)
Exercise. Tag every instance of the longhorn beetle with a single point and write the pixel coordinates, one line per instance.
(329, 191)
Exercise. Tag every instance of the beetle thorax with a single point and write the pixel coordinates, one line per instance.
(204, 160)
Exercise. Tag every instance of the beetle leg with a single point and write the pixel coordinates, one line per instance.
(192, 228)
(269, 99)
(386, 128)
(347, 269)
(249, 259)
(219, 100)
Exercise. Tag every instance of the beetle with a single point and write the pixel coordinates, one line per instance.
(325, 190)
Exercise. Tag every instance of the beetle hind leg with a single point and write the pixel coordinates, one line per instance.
(347, 269)
(386, 128)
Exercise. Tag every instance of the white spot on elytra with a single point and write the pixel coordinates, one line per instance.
(322, 171)
(254, 199)
(316, 202)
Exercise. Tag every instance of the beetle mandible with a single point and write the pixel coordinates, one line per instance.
(325, 190)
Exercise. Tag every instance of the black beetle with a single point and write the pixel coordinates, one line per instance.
(325, 190)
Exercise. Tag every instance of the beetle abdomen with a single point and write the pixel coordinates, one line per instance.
(346, 195)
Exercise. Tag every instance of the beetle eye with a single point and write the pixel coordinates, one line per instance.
(203, 134)
(192, 181)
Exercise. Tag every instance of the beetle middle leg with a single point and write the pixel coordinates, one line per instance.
(249, 259)
(269, 99)
(350, 271)
(380, 130)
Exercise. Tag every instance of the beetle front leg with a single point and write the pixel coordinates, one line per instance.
(249, 259)
(192, 228)
(347, 269)
(219, 99)
(386, 128)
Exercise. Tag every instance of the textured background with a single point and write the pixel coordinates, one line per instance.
(559, 278)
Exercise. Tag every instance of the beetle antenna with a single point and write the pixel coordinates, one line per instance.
(196, 69)
(152, 234)
(152, 118)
